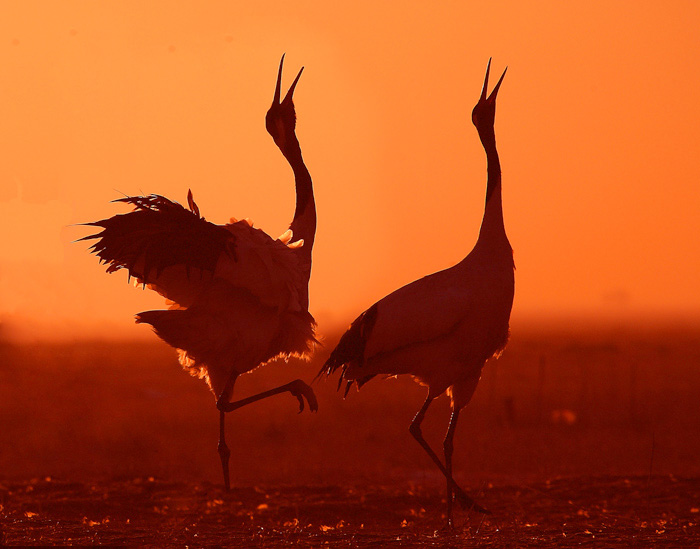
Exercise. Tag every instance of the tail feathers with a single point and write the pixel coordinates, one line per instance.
(182, 330)
(167, 324)
(351, 349)
(299, 337)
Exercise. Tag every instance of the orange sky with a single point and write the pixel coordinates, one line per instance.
(598, 127)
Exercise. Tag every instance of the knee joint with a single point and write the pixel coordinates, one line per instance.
(221, 405)
(223, 449)
(448, 446)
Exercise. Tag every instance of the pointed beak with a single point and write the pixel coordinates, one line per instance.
(492, 97)
(290, 93)
(486, 82)
(276, 98)
(288, 97)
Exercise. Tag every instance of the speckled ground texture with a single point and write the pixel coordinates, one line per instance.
(582, 437)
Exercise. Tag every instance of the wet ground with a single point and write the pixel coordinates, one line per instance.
(583, 512)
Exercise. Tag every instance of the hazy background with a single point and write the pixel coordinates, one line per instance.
(598, 128)
(558, 403)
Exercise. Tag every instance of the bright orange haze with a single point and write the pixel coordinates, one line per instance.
(597, 126)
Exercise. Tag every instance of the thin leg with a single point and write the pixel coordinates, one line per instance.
(464, 500)
(224, 452)
(449, 448)
(297, 388)
(414, 429)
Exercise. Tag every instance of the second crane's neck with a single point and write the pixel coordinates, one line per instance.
(493, 232)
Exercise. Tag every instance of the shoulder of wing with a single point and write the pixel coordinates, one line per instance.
(267, 267)
(420, 311)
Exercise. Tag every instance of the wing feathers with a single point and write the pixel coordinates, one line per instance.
(177, 253)
(351, 347)
(159, 234)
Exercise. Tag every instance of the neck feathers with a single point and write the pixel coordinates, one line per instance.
(492, 227)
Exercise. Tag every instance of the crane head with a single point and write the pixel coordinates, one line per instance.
(484, 113)
(280, 120)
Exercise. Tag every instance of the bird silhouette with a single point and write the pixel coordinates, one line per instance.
(238, 297)
(441, 329)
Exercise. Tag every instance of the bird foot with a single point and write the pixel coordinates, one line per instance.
(447, 530)
(466, 502)
(303, 391)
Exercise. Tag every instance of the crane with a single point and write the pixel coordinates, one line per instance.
(441, 329)
(238, 297)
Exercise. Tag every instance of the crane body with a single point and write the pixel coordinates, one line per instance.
(238, 298)
(442, 328)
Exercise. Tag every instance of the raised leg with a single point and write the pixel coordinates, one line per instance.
(297, 388)
(462, 497)
(448, 448)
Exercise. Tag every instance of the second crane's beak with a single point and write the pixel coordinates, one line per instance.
(287, 98)
(491, 98)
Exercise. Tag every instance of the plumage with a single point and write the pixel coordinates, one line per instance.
(442, 328)
(238, 298)
(157, 235)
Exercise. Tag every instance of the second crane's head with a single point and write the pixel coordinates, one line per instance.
(280, 120)
(484, 113)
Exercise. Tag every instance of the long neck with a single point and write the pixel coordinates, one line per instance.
(492, 228)
(304, 223)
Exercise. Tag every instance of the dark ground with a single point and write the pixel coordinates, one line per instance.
(574, 438)
(590, 512)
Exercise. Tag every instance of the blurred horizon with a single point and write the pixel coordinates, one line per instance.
(330, 326)
(558, 402)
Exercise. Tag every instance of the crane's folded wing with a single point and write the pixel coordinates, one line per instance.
(421, 311)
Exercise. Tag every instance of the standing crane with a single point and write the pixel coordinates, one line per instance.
(239, 298)
(441, 329)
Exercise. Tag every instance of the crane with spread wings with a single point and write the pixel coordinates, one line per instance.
(238, 298)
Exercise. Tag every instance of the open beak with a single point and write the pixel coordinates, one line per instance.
(491, 98)
(290, 92)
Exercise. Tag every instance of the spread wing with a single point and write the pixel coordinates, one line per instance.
(177, 253)
(157, 234)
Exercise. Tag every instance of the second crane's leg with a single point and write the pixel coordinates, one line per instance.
(224, 452)
(415, 430)
(448, 447)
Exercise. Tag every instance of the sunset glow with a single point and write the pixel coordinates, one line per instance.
(597, 124)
